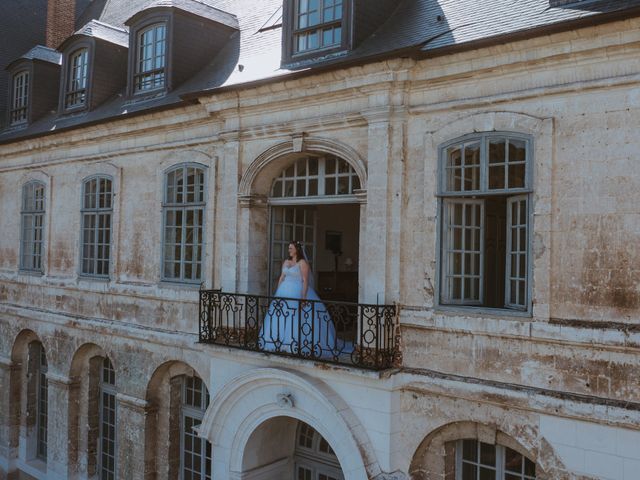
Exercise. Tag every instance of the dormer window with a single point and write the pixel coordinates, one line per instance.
(20, 100)
(76, 91)
(151, 58)
(318, 25)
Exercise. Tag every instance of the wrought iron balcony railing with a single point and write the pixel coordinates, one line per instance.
(344, 333)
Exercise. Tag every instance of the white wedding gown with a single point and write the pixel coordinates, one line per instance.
(299, 328)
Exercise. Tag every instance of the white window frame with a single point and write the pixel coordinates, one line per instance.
(102, 219)
(195, 413)
(446, 195)
(499, 468)
(32, 226)
(108, 390)
(171, 204)
(158, 60)
(77, 80)
(18, 113)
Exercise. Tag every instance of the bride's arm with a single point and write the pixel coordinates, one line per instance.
(304, 269)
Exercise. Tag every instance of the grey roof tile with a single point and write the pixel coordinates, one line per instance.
(46, 54)
(425, 26)
(197, 7)
(104, 31)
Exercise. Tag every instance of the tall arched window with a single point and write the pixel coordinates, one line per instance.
(195, 451)
(151, 58)
(484, 186)
(107, 422)
(37, 401)
(183, 207)
(32, 230)
(97, 210)
(77, 79)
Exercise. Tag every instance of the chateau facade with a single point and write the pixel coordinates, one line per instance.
(464, 179)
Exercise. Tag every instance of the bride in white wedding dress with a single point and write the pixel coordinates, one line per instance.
(297, 322)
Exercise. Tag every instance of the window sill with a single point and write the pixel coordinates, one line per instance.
(470, 311)
(31, 273)
(36, 468)
(300, 60)
(178, 285)
(91, 278)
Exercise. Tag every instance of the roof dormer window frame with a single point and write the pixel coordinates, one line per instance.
(300, 27)
(73, 71)
(20, 97)
(138, 29)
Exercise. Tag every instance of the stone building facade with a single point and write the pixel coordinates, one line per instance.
(102, 371)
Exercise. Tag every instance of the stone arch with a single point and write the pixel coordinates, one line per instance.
(257, 179)
(84, 378)
(265, 393)
(435, 457)
(23, 387)
(21, 345)
(18, 389)
(162, 438)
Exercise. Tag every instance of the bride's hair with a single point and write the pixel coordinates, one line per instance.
(299, 252)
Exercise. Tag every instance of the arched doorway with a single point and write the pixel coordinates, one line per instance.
(314, 200)
(283, 448)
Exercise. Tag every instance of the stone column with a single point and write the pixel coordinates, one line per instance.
(227, 247)
(373, 258)
(131, 419)
(9, 417)
(62, 428)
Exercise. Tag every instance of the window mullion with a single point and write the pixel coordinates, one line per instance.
(500, 462)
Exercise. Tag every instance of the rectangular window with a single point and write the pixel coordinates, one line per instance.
(484, 223)
(96, 226)
(77, 76)
(32, 226)
(107, 445)
(196, 451)
(19, 102)
(463, 252)
(318, 25)
(183, 224)
(150, 61)
(42, 405)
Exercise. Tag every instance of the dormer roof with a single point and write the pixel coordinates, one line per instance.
(39, 52)
(194, 7)
(100, 30)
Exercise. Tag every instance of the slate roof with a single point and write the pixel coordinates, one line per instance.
(104, 31)
(416, 27)
(197, 7)
(46, 54)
